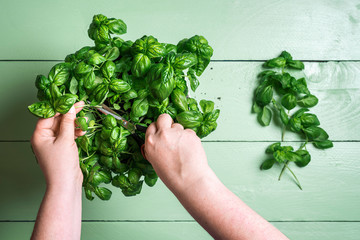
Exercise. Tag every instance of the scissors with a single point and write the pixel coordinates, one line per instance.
(132, 128)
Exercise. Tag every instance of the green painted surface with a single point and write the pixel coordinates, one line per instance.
(330, 186)
(239, 29)
(327, 208)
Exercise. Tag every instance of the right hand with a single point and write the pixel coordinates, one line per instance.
(176, 154)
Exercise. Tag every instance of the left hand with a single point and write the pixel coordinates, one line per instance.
(53, 143)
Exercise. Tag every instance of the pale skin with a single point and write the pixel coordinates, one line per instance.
(177, 157)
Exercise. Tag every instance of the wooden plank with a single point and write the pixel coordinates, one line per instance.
(187, 230)
(241, 29)
(229, 84)
(330, 186)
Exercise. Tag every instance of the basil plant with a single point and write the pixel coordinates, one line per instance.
(139, 80)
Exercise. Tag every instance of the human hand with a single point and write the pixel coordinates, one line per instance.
(55, 149)
(176, 154)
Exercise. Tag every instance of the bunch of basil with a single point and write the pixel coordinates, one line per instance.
(140, 80)
(280, 92)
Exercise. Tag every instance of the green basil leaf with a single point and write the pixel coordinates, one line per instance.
(184, 60)
(162, 81)
(305, 158)
(179, 99)
(295, 124)
(108, 69)
(272, 148)
(60, 73)
(139, 108)
(112, 54)
(106, 161)
(73, 87)
(42, 109)
(283, 116)
(82, 123)
(206, 106)
(264, 96)
(140, 65)
(99, 94)
(323, 144)
(151, 179)
(81, 53)
(308, 119)
(299, 86)
(101, 177)
(116, 26)
(286, 55)
(316, 133)
(101, 34)
(288, 101)
(134, 175)
(121, 181)
(278, 62)
(194, 82)
(109, 121)
(42, 82)
(96, 59)
(296, 64)
(64, 103)
(103, 193)
(256, 108)
(308, 101)
(267, 164)
(190, 119)
(264, 117)
(105, 149)
(120, 86)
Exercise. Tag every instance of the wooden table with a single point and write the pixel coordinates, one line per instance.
(37, 34)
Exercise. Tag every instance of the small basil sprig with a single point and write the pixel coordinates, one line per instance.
(140, 80)
(277, 94)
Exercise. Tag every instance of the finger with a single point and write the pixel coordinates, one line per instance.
(79, 133)
(178, 126)
(164, 121)
(67, 125)
(151, 130)
(44, 123)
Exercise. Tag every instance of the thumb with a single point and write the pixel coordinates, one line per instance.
(67, 125)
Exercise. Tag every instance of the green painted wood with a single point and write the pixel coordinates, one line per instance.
(187, 230)
(240, 29)
(229, 84)
(330, 182)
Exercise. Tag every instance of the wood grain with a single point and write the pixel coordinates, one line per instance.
(330, 186)
(239, 29)
(229, 84)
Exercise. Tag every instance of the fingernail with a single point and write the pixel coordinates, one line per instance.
(72, 109)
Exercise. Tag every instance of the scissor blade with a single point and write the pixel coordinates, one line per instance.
(129, 126)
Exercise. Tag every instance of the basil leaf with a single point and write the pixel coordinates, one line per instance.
(305, 158)
(267, 164)
(316, 133)
(264, 117)
(42, 109)
(288, 101)
(308, 101)
(273, 147)
(308, 119)
(190, 119)
(64, 103)
(323, 144)
(60, 74)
